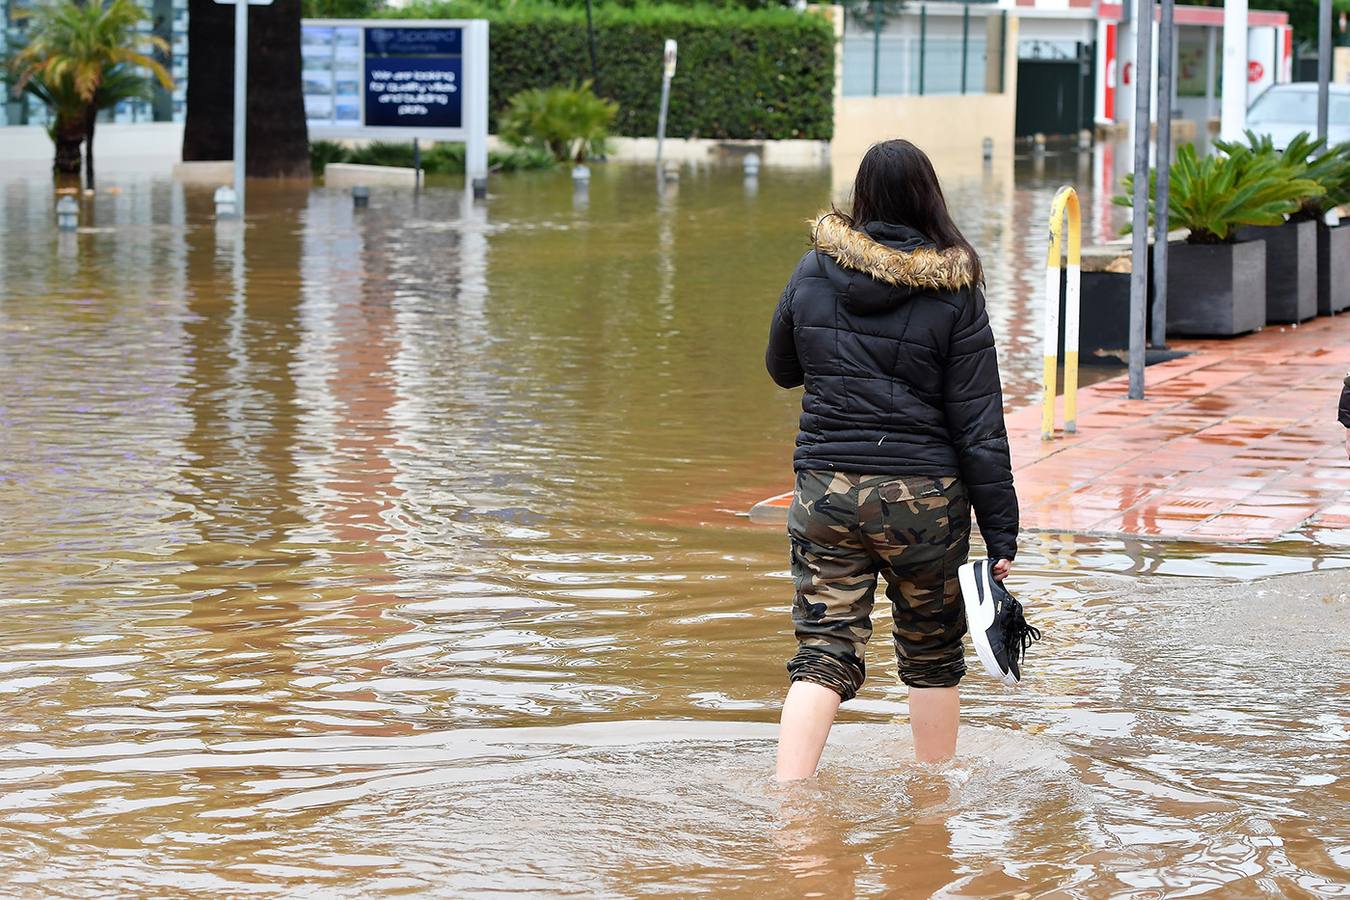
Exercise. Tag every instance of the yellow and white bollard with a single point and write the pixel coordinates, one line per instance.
(1066, 201)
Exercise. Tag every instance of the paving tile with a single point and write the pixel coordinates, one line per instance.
(1236, 442)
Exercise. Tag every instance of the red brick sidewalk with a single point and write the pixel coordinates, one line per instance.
(1238, 441)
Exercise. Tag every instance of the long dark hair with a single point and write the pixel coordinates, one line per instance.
(896, 184)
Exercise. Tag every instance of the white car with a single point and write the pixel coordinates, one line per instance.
(1283, 110)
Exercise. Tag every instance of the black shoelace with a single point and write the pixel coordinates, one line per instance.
(1017, 634)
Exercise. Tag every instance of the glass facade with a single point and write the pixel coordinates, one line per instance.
(942, 51)
(167, 18)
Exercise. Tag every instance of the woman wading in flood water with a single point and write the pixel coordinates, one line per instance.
(902, 431)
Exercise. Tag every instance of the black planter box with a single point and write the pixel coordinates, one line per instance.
(1104, 313)
(1216, 290)
(1291, 269)
(1333, 268)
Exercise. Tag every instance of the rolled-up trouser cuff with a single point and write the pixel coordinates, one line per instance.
(936, 673)
(820, 667)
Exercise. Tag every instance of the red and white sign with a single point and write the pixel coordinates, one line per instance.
(1109, 101)
(1255, 71)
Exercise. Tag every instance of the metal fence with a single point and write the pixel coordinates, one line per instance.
(944, 49)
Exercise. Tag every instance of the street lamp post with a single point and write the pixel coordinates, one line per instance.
(1323, 66)
(1143, 68)
(1166, 33)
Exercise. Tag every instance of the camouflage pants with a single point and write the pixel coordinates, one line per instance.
(845, 530)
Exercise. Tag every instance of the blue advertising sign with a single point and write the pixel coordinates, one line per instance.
(413, 77)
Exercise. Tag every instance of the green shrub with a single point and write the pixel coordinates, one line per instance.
(755, 75)
(321, 153)
(570, 124)
(1214, 196)
(437, 159)
(339, 9)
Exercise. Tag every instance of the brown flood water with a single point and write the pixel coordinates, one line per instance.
(392, 552)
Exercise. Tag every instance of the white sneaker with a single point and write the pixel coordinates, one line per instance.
(997, 626)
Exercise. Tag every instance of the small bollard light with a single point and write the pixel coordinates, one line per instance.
(581, 176)
(227, 202)
(480, 189)
(670, 171)
(1038, 144)
(987, 148)
(67, 213)
(750, 165)
(360, 196)
(1084, 140)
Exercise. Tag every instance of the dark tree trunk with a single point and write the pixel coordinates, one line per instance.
(278, 142)
(90, 119)
(68, 135)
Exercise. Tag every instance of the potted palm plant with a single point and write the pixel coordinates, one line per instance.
(1291, 246)
(1332, 170)
(1216, 284)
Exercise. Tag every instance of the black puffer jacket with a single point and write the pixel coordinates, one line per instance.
(1345, 403)
(891, 339)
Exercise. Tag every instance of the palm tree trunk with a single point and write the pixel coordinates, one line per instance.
(90, 117)
(67, 135)
(278, 139)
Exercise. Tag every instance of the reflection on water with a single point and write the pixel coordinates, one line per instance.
(381, 550)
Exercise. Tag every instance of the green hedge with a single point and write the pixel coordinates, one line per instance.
(766, 74)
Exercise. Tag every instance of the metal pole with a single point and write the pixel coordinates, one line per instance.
(1211, 57)
(923, 44)
(240, 97)
(965, 42)
(1143, 70)
(1323, 66)
(1166, 33)
(417, 165)
(1002, 50)
(661, 118)
(590, 37)
(876, 47)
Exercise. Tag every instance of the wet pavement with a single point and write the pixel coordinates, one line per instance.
(352, 554)
(1238, 441)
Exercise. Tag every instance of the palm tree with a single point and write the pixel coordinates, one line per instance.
(79, 60)
(278, 140)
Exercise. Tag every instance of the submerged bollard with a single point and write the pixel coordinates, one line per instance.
(67, 213)
(227, 202)
(581, 176)
(987, 148)
(670, 170)
(1038, 144)
(360, 196)
(751, 165)
(480, 189)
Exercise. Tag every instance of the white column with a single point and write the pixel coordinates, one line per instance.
(1099, 76)
(1233, 104)
(474, 109)
(1211, 72)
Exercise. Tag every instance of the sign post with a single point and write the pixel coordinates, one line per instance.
(668, 62)
(240, 100)
(241, 92)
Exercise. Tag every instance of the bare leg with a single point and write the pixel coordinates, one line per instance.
(808, 713)
(934, 714)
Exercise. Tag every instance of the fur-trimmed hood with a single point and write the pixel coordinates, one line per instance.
(898, 259)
